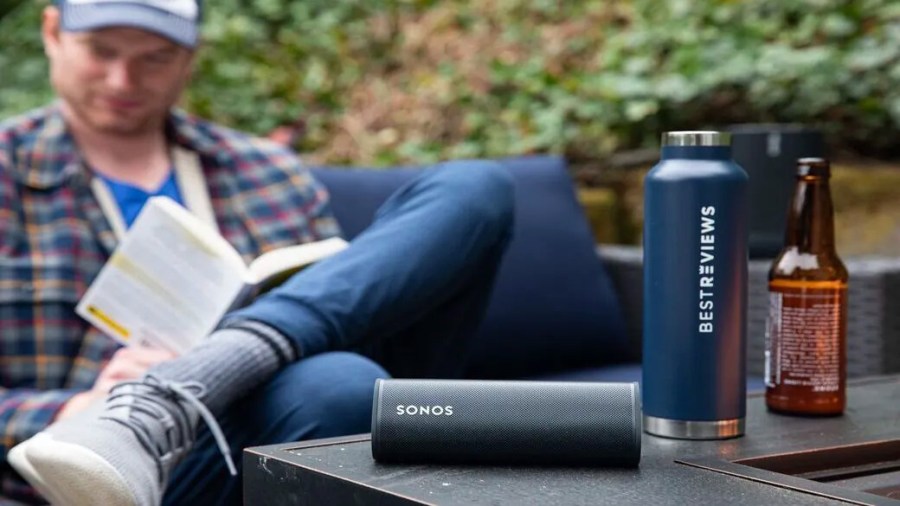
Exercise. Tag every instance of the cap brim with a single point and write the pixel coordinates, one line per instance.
(80, 18)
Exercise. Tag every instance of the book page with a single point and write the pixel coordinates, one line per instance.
(275, 266)
(168, 283)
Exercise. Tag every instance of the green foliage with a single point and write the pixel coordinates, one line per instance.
(23, 68)
(397, 81)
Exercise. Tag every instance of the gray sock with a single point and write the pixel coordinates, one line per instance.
(231, 362)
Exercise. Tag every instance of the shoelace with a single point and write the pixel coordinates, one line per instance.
(155, 398)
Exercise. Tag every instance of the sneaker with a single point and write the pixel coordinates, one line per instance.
(121, 454)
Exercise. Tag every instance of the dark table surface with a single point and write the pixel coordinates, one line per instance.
(342, 471)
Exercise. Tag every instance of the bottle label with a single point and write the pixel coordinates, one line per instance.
(804, 335)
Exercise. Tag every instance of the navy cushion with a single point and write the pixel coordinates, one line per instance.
(627, 373)
(553, 306)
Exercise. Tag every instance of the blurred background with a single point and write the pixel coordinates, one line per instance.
(389, 82)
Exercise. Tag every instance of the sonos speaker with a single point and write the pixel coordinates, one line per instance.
(506, 422)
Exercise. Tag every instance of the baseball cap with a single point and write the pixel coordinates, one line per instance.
(177, 20)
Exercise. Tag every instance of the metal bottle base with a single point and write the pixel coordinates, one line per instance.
(683, 429)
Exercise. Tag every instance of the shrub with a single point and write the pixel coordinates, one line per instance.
(398, 81)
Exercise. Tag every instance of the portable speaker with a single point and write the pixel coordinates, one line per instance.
(506, 422)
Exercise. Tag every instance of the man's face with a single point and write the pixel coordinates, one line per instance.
(119, 81)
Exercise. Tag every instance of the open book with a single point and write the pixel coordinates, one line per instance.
(173, 277)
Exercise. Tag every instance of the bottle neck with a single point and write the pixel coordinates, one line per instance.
(696, 152)
(810, 224)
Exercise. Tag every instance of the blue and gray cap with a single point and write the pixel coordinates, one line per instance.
(177, 20)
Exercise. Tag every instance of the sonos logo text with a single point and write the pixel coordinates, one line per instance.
(425, 410)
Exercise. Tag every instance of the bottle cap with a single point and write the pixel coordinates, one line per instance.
(813, 167)
(696, 138)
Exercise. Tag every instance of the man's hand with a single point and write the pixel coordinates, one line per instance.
(129, 363)
(126, 364)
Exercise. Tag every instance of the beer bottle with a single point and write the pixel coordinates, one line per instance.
(807, 325)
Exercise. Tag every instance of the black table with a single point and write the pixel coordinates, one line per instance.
(854, 458)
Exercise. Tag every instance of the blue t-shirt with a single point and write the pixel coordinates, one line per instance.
(131, 199)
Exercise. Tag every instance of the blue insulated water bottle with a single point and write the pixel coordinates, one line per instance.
(695, 289)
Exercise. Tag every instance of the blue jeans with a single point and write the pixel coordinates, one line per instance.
(403, 300)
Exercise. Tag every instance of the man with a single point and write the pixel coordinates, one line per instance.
(85, 423)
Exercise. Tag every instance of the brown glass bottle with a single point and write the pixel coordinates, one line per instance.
(806, 335)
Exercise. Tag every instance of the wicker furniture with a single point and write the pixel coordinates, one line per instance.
(873, 326)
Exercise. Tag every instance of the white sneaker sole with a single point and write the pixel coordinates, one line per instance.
(71, 475)
(18, 459)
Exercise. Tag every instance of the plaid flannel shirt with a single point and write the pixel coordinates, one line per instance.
(54, 239)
